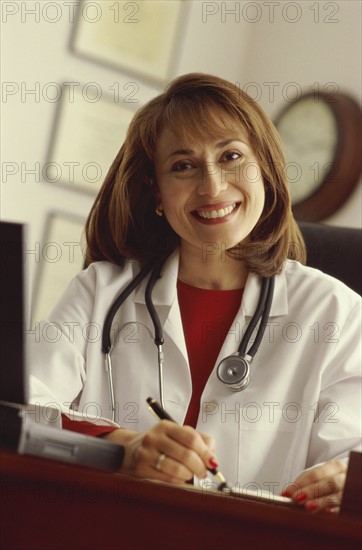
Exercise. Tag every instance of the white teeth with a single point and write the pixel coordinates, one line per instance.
(208, 214)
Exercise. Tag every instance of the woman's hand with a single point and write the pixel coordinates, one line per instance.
(166, 452)
(320, 488)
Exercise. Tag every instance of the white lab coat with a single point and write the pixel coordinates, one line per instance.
(303, 403)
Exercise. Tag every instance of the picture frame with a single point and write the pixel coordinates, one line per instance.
(140, 38)
(88, 131)
(61, 256)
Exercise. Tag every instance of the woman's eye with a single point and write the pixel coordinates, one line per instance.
(230, 156)
(181, 166)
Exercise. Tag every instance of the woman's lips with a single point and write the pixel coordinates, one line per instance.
(212, 215)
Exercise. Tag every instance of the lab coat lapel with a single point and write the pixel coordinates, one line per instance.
(165, 300)
(252, 293)
(247, 309)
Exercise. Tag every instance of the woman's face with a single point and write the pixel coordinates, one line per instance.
(211, 192)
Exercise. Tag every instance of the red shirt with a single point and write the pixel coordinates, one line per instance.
(207, 316)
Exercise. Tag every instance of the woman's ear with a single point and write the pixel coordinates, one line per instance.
(159, 209)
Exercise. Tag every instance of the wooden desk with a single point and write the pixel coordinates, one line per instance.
(51, 505)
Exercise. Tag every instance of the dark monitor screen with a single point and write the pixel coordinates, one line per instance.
(12, 313)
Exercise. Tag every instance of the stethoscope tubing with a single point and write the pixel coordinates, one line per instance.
(106, 332)
(262, 312)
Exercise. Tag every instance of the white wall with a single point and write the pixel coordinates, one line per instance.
(244, 42)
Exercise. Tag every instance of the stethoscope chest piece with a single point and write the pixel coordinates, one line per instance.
(234, 372)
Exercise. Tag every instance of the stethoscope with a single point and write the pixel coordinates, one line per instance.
(233, 370)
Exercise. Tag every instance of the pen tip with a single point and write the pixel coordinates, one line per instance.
(224, 487)
(149, 400)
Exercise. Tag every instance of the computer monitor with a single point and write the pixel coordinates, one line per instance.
(13, 385)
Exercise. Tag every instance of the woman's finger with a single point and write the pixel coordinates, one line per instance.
(320, 488)
(183, 451)
(326, 503)
(153, 464)
(323, 473)
(184, 445)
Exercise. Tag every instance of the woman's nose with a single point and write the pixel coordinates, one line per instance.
(213, 180)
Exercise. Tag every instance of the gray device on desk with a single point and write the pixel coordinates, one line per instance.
(19, 429)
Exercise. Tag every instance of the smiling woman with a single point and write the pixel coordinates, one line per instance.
(211, 192)
(173, 134)
(198, 196)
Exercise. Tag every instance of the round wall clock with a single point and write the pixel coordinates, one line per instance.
(321, 137)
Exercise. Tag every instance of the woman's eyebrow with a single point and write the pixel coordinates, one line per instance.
(228, 141)
(180, 152)
(218, 145)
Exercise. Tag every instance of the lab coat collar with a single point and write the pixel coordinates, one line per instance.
(252, 292)
(164, 292)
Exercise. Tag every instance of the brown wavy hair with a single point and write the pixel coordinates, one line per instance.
(122, 222)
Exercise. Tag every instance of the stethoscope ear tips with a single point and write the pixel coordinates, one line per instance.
(234, 372)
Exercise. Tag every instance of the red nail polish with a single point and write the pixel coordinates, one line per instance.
(212, 462)
(301, 497)
(286, 494)
(312, 505)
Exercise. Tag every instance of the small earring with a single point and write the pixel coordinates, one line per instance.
(159, 212)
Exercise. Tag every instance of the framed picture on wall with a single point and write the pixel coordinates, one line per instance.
(88, 132)
(142, 38)
(62, 255)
